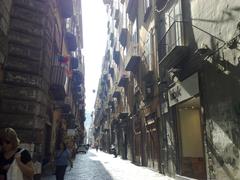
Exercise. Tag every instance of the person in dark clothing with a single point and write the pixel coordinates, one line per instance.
(62, 159)
(10, 151)
(113, 150)
(96, 146)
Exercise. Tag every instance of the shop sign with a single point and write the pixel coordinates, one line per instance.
(183, 90)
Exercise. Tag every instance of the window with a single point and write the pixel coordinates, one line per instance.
(134, 37)
(147, 4)
(149, 50)
(174, 34)
(173, 15)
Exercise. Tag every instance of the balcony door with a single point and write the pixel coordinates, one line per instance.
(174, 28)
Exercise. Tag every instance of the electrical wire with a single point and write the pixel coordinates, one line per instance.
(161, 10)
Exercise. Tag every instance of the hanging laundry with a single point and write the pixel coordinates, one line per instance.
(68, 72)
(66, 59)
(63, 59)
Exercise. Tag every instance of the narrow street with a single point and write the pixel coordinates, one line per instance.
(156, 80)
(102, 166)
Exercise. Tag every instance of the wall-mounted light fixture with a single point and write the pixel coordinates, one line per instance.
(233, 43)
(172, 74)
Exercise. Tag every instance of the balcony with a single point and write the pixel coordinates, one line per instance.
(123, 82)
(133, 58)
(117, 23)
(116, 15)
(111, 104)
(149, 92)
(71, 41)
(105, 76)
(149, 76)
(111, 71)
(123, 37)
(77, 78)
(108, 27)
(57, 82)
(74, 63)
(172, 48)
(132, 9)
(148, 66)
(111, 39)
(70, 121)
(116, 93)
(65, 105)
(107, 55)
(66, 8)
(116, 56)
(147, 10)
(150, 117)
(76, 89)
(82, 115)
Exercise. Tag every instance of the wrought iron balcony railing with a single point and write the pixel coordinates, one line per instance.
(57, 82)
(133, 57)
(66, 8)
(71, 41)
(172, 46)
(123, 37)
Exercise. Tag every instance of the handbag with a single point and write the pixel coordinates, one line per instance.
(14, 172)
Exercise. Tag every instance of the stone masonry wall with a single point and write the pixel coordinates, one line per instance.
(219, 82)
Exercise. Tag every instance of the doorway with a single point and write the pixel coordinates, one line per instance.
(192, 161)
(47, 150)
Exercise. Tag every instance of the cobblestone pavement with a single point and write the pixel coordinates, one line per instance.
(102, 166)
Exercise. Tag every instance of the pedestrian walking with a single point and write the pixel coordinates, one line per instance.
(113, 150)
(96, 146)
(15, 163)
(62, 159)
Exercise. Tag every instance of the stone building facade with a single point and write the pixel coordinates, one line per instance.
(171, 83)
(128, 90)
(42, 82)
(198, 73)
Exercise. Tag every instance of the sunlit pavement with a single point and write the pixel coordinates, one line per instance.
(102, 166)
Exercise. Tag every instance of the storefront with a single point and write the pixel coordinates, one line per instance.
(185, 100)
